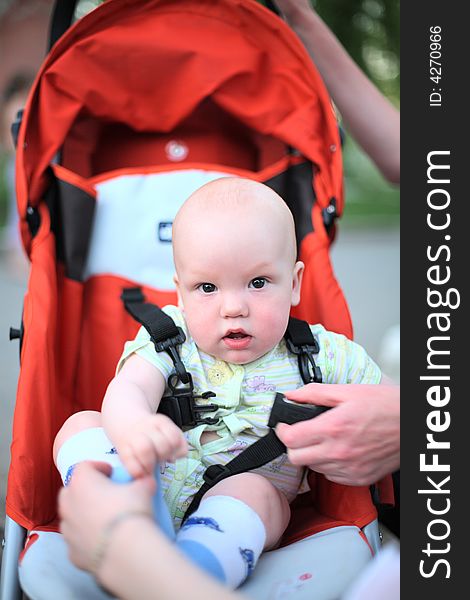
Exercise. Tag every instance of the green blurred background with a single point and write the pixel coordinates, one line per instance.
(370, 31)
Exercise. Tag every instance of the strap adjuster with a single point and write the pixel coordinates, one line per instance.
(216, 473)
(169, 345)
(285, 411)
(180, 405)
(308, 369)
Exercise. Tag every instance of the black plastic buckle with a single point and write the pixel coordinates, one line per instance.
(285, 411)
(308, 369)
(184, 410)
(216, 473)
(169, 345)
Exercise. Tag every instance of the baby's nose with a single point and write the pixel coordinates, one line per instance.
(233, 305)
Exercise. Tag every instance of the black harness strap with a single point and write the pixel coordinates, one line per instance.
(165, 335)
(62, 18)
(301, 341)
(258, 454)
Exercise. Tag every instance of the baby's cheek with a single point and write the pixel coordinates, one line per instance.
(272, 323)
(201, 327)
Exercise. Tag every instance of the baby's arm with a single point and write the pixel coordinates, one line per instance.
(141, 436)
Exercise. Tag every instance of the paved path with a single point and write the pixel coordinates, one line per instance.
(366, 264)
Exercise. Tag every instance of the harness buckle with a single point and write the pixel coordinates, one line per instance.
(181, 405)
(308, 369)
(169, 345)
(286, 411)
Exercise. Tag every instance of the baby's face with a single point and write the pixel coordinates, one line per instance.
(236, 284)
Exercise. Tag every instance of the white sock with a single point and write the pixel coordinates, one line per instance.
(230, 530)
(89, 444)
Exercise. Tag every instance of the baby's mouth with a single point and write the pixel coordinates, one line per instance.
(237, 339)
(236, 335)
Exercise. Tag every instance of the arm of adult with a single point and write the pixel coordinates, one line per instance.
(137, 560)
(371, 119)
(355, 443)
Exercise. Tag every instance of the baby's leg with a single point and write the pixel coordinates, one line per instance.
(81, 438)
(261, 496)
(74, 424)
(237, 519)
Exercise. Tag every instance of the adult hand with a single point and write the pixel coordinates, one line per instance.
(91, 501)
(355, 443)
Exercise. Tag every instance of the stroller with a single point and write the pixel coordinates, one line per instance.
(136, 106)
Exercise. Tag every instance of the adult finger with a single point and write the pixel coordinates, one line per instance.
(314, 459)
(147, 484)
(61, 502)
(311, 456)
(324, 394)
(97, 466)
(304, 433)
(92, 468)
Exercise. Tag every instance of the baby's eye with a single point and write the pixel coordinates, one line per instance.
(207, 288)
(258, 282)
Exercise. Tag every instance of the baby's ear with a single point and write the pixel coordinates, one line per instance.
(178, 293)
(297, 282)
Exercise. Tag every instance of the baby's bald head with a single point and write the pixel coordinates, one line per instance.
(236, 271)
(234, 205)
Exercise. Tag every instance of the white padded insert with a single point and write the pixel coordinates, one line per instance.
(134, 214)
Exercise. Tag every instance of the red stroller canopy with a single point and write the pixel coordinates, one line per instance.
(102, 74)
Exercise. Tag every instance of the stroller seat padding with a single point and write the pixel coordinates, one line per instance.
(134, 213)
(321, 567)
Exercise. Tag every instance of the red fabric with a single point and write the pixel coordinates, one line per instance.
(29, 542)
(322, 299)
(386, 491)
(328, 505)
(126, 78)
(235, 82)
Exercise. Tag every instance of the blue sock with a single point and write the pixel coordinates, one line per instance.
(160, 509)
(225, 537)
(202, 557)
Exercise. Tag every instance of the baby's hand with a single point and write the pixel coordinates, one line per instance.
(152, 439)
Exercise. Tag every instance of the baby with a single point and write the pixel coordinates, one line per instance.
(236, 278)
